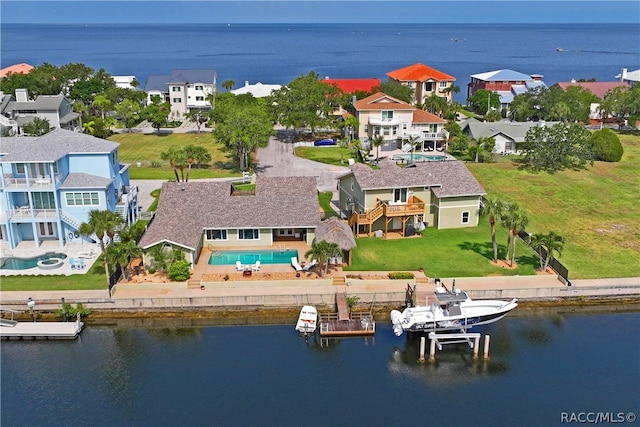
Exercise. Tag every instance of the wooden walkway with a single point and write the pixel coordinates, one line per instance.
(343, 307)
(345, 323)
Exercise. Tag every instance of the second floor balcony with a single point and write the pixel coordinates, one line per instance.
(12, 182)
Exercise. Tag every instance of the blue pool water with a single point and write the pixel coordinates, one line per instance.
(251, 256)
(419, 157)
(26, 263)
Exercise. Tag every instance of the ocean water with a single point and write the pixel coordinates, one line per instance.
(278, 53)
(169, 372)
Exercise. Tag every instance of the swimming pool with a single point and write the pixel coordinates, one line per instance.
(248, 257)
(419, 157)
(13, 263)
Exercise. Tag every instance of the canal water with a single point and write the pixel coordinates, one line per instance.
(545, 364)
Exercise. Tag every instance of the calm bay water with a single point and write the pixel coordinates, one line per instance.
(168, 372)
(278, 53)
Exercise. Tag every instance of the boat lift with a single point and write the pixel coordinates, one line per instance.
(440, 340)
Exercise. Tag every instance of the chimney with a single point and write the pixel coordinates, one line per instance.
(246, 83)
(22, 95)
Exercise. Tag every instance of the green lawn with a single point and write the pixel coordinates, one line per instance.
(325, 203)
(330, 155)
(147, 149)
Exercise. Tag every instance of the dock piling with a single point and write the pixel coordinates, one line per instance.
(422, 347)
(476, 347)
(486, 347)
(432, 350)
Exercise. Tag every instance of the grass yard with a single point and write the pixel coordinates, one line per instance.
(325, 203)
(147, 149)
(330, 155)
(595, 210)
(464, 252)
(92, 279)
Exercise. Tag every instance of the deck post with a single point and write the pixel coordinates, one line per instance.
(422, 347)
(486, 347)
(476, 347)
(432, 350)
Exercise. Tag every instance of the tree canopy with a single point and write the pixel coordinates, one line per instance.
(561, 146)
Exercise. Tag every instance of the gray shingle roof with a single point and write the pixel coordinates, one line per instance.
(285, 202)
(85, 180)
(42, 102)
(52, 146)
(516, 131)
(448, 178)
(157, 82)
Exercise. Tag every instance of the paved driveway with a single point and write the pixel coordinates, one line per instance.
(277, 159)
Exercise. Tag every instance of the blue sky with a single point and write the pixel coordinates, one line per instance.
(314, 11)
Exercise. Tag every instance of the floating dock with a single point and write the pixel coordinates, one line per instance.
(344, 323)
(12, 329)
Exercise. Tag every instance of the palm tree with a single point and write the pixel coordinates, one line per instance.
(493, 207)
(101, 223)
(551, 243)
(228, 84)
(377, 141)
(322, 251)
(101, 102)
(120, 253)
(413, 141)
(516, 220)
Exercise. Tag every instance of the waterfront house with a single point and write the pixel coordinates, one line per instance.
(507, 134)
(425, 81)
(258, 90)
(599, 89)
(185, 90)
(441, 194)
(193, 216)
(506, 83)
(50, 183)
(629, 77)
(396, 121)
(15, 112)
(22, 68)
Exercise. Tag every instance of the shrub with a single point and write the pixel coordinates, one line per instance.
(606, 145)
(179, 271)
(401, 275)
(71, 312)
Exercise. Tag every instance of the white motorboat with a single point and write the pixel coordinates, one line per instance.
(451, 311)
(307, 320)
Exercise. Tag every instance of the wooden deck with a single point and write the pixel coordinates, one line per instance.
(346, 328)
(41, 330)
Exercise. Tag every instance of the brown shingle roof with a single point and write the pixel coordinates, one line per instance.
(381, 101)
(185, 209)
(448, 178)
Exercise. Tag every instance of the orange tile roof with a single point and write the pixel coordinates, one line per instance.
(22, 68)
(353, 85)
(421, 116)
(381, 101)
(599, 89)
(419, 73)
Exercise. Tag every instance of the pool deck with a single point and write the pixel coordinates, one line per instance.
(28, 249)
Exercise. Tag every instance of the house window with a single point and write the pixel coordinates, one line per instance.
(177, 100)
(394, 130)
(44, 200)
(428, 86)
(199, 87)
(352, 181)
(366, 129)
(387, 115)
(248, 234)
(443, 85)
(385, 130)
(82, 199)
(216, 234)
(55, 167)
(176, 89)
(199, 98)
(376, 130)
(400, 195)
(433, 128)
(465, 217)
(20, 168)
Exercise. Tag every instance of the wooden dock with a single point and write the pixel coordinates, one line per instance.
(11, 329)
(344, 323)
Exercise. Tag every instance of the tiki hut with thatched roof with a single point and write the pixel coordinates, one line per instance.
(335, 230)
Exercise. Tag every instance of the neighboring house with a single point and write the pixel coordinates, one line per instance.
(19, 111)
(396, 121)
(440, 194)
(425, 81)
(599, 89)
(258, 90)
(629, 77)
(50, 183)
(193, 216)
(506, 83)
(22, 68)
(507, 134)
(125, 82)
(349, 87)
(185, 90)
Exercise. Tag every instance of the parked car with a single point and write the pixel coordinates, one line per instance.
(325, 141)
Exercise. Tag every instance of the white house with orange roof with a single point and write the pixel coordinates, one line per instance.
(425, 81)
(396, 121)
(22, 68)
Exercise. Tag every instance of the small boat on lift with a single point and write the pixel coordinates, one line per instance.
(452, 311)
(307, 320)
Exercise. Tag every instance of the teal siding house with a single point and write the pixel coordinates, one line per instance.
(48, 185)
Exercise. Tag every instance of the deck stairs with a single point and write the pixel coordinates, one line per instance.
(193, 284)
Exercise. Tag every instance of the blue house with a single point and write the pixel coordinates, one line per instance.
(48, 185)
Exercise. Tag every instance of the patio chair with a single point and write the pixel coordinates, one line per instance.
(239, 266)
(80, 263)
(88, 254)
(295, 264)
(256, 266)
(310, 265)
(72, 263)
